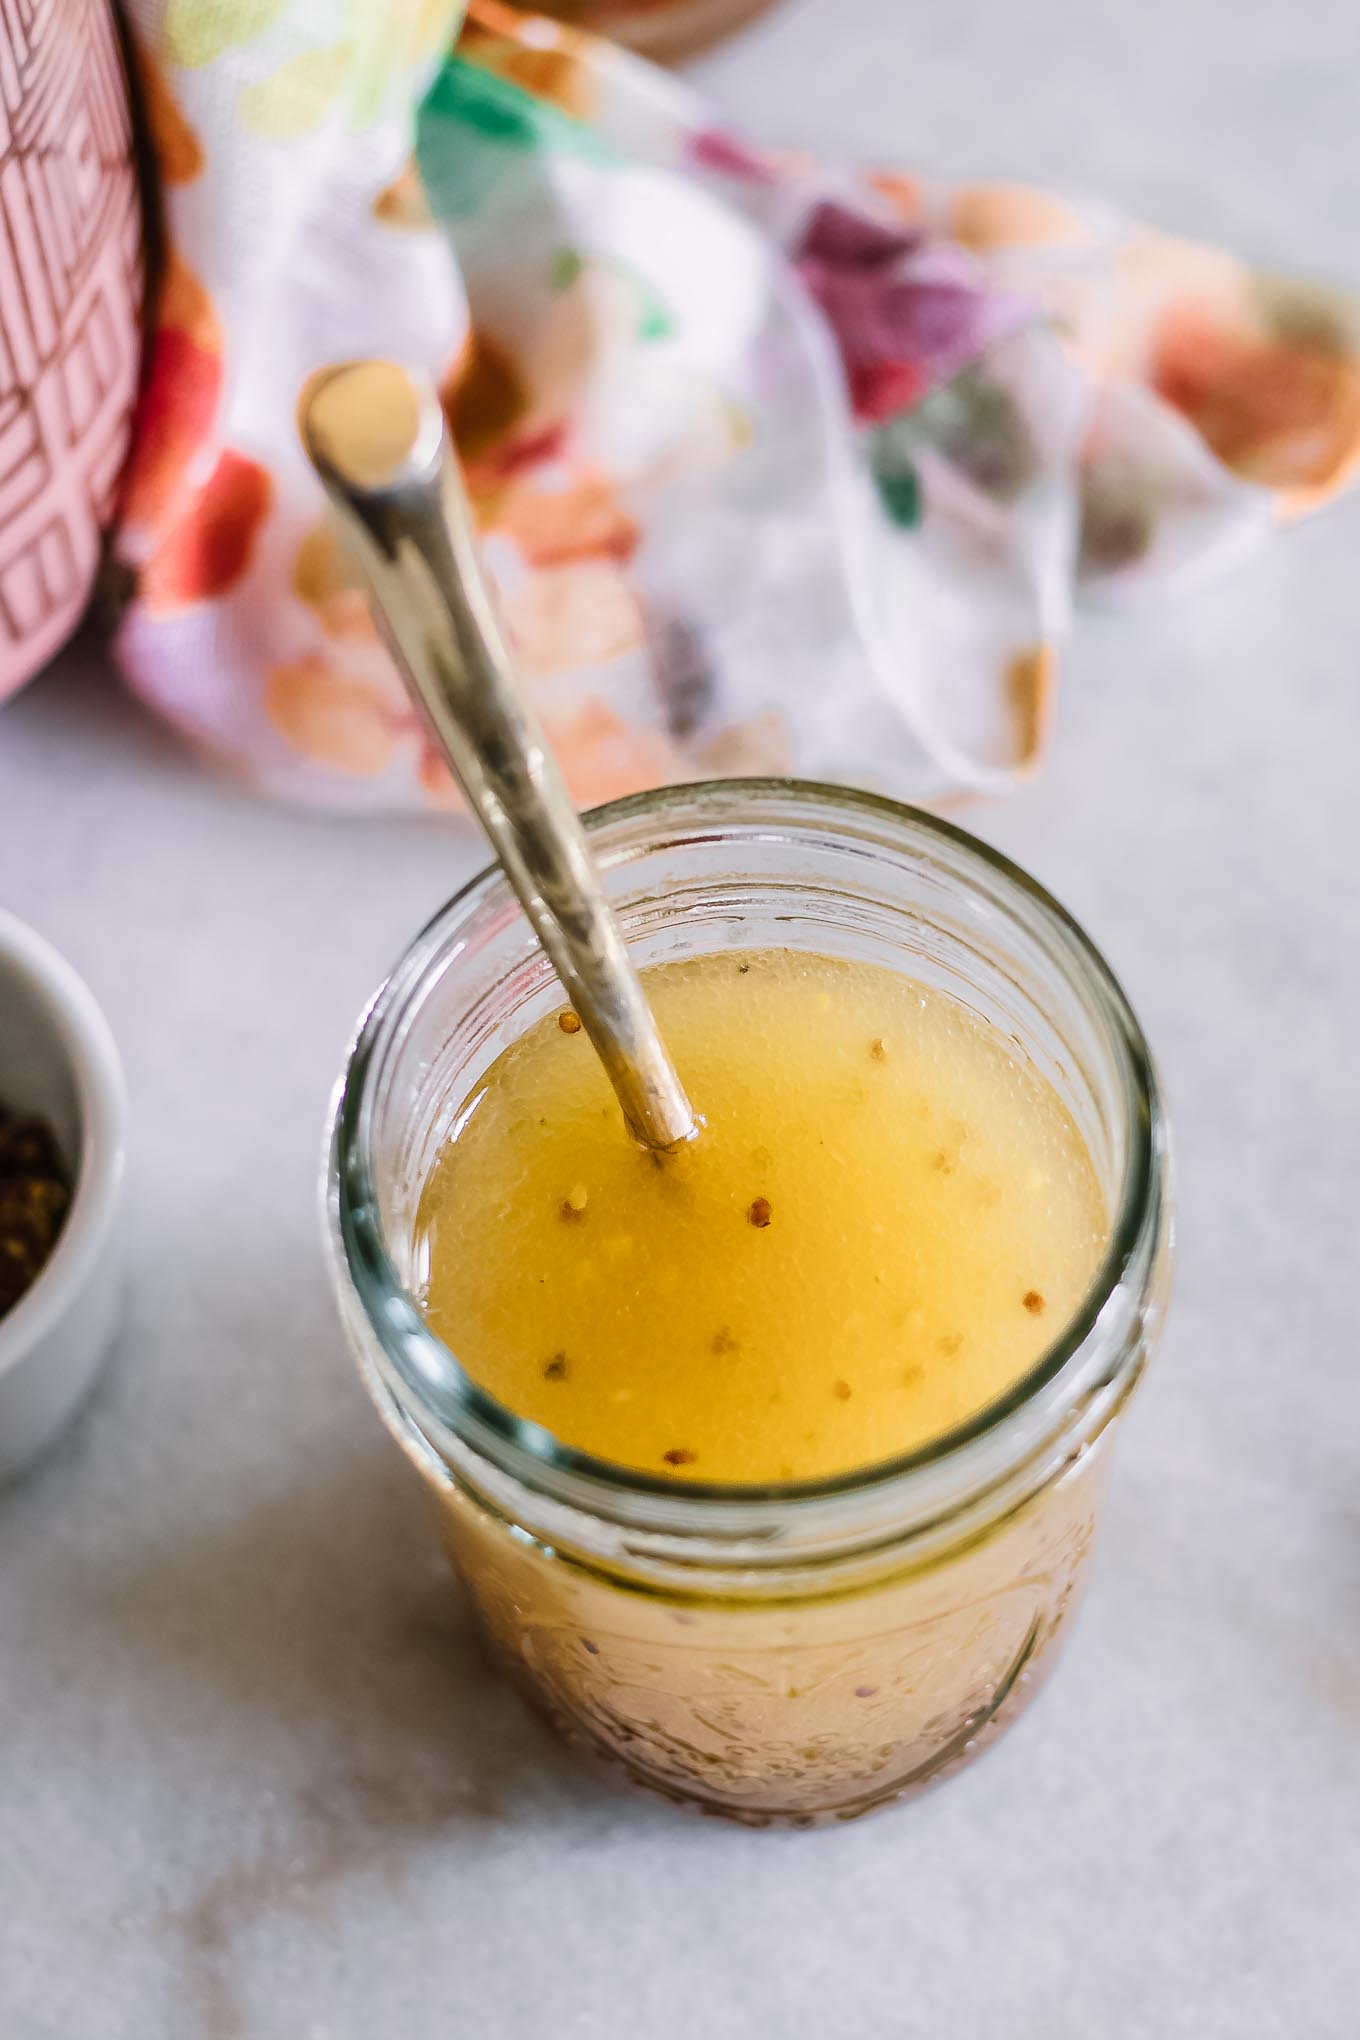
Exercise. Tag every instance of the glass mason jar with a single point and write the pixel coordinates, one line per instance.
(788, 1653)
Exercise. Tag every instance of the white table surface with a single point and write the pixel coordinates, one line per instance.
(255, 1781)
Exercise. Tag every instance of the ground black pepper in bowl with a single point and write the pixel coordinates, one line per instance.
(35, 1195)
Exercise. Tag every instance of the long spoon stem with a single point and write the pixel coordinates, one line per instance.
(379, 443)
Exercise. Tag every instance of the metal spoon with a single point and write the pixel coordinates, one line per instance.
(376, 436)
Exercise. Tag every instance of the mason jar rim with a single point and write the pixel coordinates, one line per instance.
(427, 1371)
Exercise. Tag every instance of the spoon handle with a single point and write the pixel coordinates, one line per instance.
(377, 439)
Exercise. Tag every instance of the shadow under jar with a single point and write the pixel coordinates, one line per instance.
(795, 1653)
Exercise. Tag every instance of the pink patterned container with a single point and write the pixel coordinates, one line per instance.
(71, 278)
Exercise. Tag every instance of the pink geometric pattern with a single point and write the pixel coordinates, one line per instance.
(71, 280)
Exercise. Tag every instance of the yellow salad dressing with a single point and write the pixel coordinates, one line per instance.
(885, 1219)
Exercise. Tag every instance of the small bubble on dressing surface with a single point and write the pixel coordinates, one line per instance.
(860, 1250)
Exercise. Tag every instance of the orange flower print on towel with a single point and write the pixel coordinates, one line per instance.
(555, 66)
(985, 216)
(179, 403)
(328, 582)
(344, 723)
(179, 153)
(486, 397)
(603, 757)
(1280, 406)
(436, 781)
(906, 195)
(332, 719)
(403, 203)
(208, 548)
(1030, 679)
(582, 520)
(585, 614)
(760, 745)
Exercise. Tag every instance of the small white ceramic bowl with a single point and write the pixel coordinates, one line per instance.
(58, 1059)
